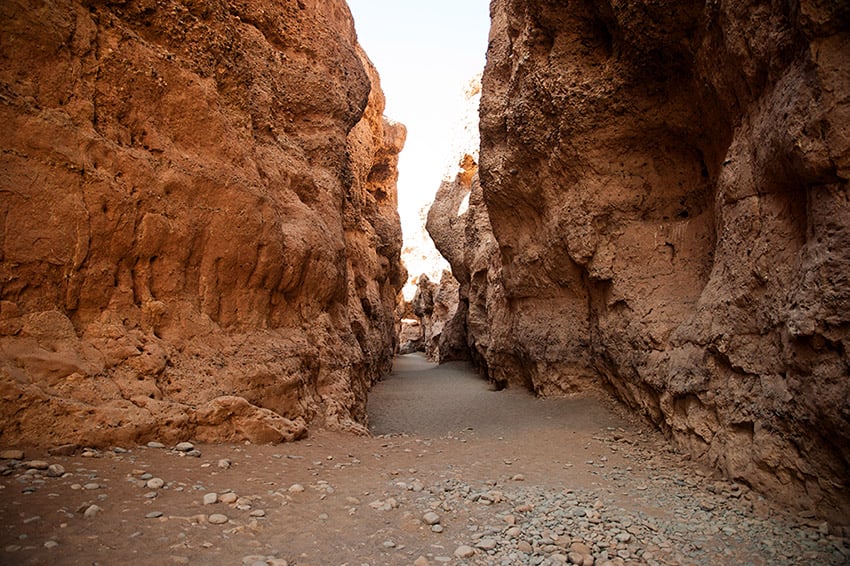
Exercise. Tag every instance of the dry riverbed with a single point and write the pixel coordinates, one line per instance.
(455, 473)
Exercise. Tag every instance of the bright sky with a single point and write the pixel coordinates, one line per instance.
(426, 52)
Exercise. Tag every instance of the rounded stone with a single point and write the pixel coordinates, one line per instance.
(217, 519)
(228, 498)
(55, 470)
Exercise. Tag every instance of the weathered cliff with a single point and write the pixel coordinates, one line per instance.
(667, 184)
(198, 226)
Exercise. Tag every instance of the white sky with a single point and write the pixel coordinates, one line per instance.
(426, 51)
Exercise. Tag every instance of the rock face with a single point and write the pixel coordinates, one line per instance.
(198, 226)
(666, 185)
(441, 322)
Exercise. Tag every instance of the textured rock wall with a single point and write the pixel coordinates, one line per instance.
(198, 226)
(667, 186)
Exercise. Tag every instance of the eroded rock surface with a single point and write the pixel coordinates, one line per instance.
(198, 225)
(667, 189)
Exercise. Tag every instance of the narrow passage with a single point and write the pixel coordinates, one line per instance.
(426, 399)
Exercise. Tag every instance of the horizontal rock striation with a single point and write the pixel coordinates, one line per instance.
(667, 188)
(198, 225)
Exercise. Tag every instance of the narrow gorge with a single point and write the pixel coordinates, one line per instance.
(199, 234)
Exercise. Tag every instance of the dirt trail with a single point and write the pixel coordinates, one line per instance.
(510, 479)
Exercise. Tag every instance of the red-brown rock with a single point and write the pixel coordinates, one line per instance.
(198, 226)
(667, 185)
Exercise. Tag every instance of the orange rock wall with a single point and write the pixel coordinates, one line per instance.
(198, 226)
(667, 185)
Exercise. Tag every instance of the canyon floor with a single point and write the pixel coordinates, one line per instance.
(453, 473)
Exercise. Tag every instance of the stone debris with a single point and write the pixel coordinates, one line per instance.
(228, 498)
(55, 470)
(91, 511)
(217, 519)
(464, 551)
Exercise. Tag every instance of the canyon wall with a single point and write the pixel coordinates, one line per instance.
(199, 235)
(664, 211)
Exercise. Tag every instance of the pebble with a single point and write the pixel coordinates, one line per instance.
(154, 444)
(217, 519)
(184, 447)
(91, 511)
(91, 486)
(224, 463)
(296, 488)
(51, 544)
(154, 515)
(464, 551)
(155, 483)
(55, 470)
(430, 518)
(257, 513)
(37, 465)
(421, 561)
(228, 498)
(437, 528)
(210, 498)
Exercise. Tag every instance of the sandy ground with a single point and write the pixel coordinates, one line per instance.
(441, 437)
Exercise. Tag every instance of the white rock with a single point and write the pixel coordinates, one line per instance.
(430, 518)
(210, 498)
(155, 483)
(184, 447)
(217, 519)
(296, 488)
(464, 551)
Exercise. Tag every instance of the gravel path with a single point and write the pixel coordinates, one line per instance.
(455, 473)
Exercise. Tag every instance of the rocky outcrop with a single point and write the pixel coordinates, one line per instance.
(666, 185)
(441, 322)
(198, 226)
